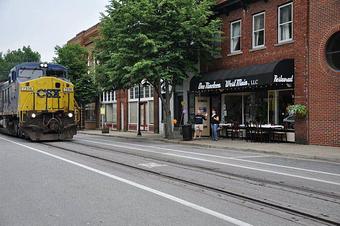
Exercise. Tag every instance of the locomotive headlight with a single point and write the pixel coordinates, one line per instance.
(70, 115)
(43, 65)
(33, 115)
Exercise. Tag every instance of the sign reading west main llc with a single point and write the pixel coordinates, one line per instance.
(227, 84)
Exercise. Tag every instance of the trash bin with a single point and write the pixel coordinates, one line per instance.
(187, 132)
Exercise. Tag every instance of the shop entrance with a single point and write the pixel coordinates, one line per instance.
(202, 103)
(143, 124)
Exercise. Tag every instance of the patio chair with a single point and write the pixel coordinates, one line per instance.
(259, 133)
(249, 132)
(235, 130)
(280, 135)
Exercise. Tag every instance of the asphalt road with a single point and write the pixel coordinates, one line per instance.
(96, 180)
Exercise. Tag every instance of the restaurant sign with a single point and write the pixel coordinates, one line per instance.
(230, 83)
(276, 73)
(282, 79)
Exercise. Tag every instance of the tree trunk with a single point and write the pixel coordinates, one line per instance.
(168, 133)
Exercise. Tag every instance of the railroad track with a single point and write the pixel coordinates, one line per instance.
(331, 196)
(323, 220)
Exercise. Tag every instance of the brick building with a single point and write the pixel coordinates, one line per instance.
(91, 116)
(121, 106)
(324, 74)
(274, 55)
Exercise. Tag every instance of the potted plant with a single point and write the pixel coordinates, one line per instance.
(298, 110)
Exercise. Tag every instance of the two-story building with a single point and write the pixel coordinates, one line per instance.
(275, 53)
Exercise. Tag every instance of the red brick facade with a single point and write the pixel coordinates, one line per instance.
(316, 85)
(323, 81)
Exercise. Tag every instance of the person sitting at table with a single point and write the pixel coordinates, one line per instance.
(199, 117)
(215, 121)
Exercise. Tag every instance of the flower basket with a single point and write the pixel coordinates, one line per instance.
(298, 110)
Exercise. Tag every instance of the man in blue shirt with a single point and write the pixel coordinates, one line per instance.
(199, 117)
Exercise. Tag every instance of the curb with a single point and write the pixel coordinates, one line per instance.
(337, 160)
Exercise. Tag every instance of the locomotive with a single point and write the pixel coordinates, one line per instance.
(37, 102)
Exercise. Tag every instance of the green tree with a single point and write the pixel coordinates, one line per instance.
(74, 57)
(160, 41)
(14, 57)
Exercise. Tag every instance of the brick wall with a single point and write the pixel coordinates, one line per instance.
(323, 83)
(297, 49)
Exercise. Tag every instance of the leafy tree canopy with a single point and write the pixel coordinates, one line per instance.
(14, 57)
(157, 40)
(74, 57)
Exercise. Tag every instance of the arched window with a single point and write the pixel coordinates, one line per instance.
(333, 51)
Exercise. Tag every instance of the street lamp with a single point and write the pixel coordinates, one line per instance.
(139, 118)
(144, 82)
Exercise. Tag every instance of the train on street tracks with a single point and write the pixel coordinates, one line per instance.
(37, 102)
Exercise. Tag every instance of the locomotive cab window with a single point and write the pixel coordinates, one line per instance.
(56, 73)
(14, 76)
(26, 74)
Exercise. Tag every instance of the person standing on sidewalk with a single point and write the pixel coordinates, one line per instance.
(199, 117)
(215, 121)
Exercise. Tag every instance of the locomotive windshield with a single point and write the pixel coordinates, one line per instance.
(56, 73)
(26, 74)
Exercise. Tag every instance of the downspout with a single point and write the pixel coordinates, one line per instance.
(307, 69)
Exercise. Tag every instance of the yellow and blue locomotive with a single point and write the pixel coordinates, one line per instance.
(37, 102)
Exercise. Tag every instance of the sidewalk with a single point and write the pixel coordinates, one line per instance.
(287, 149)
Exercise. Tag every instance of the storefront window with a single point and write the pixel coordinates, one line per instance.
(151, 116)
(114, 113)
(256, 107)
(233, 108)
(272, 103)
(108, 113)
(133, 108)
(285, 98)
(279, 100)
(90, 112)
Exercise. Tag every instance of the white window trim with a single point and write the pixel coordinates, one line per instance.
(231, 37)
(108, 97)
(264, 31)
(279, 25)
(135, 98)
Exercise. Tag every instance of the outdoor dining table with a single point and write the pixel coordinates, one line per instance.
(265, 126)
(268, 129)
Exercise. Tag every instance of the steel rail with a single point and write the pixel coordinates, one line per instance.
(207, 187)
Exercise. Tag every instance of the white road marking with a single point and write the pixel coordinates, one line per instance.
(253, 168)
(221, 163)
(151, 165)
(252, 156)
(140, 186)
(214, 156)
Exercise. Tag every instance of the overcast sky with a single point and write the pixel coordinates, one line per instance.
(43, 24)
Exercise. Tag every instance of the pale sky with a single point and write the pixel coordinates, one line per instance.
(43, 24)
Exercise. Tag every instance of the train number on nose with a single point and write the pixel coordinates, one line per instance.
(49, 93)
